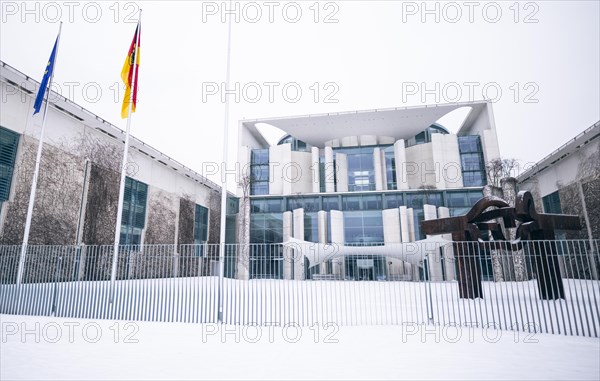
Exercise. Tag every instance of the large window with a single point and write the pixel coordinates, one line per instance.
(552, 203)
(361, 169)
(134, 212)
(266, 259)
(8, 151)
(363, 227)
(390, 168)
(259, 172)
(200, 229)
(471, 158)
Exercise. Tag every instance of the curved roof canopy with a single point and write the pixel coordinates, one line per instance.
(399, 123)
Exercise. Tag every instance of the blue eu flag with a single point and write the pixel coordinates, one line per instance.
(47, 74)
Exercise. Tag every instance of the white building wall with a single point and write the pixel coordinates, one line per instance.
(64, 131)
(278, 156)
(288, 253)
(298, 230)
(420, 168)
(298, 172)
(400, 158)
(315, 169)
(563, 172)
(329, 171)
(446, 157)
(337, 237)
(341, 164)
(322, 231)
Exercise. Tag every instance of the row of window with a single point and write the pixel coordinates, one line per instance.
(452, 199)
(471, 160)
(9, 142)
(361, 172)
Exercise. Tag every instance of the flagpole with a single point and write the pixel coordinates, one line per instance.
(37, 169)
(223, 176)
(113, 273)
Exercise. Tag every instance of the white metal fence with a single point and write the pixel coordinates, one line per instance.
(505, 287)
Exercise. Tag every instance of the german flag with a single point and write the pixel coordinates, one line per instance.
(129, 73)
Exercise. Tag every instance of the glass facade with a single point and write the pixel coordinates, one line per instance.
(361, 167)
(134, 212)
(9, 141)
(200, 228)
(390, 168)
(297, 145)
(259, 172)
(363, 225)
(425, 136)
(551, 203)
(471, 161)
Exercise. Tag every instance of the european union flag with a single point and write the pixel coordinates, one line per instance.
(47, 74)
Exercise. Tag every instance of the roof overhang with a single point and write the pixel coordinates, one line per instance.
(399, 123)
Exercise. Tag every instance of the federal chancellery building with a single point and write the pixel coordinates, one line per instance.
(364, 178)
(360, 181)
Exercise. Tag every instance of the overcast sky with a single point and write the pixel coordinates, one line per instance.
(539, 62)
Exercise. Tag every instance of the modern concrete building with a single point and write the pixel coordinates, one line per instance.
(568, 181)
(76, 199)
(359, 178)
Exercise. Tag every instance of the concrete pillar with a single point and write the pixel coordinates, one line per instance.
(429, 213)
(404, 224)
(392, 235)
(322, 231)
(400, 158)
(329, 171)
(337, 237)
(316, 186)
(447, 158)
(298, 233)
(411, 224)
(435, 264)
(377, 168)
(341, 164)
(288, 254)
(449, 261)
(279, 156)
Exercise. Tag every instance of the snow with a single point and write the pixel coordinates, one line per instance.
(34, 347)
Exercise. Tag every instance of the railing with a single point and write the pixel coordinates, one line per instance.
(538, 286)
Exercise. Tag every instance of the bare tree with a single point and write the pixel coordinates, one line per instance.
(243, 232)
(497, 169)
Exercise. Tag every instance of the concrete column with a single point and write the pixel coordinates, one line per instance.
(341, 166)
(322, 231)
(392, 235)
(404, 224)
(298, 233)
(377, 168)
(411, 224)
(446, 156)
(316, 186)
(429, 213)
(449, 260)
(329, 171)
(400, 157)
(384, 178)
(337, 237)
(435, 264)
(279, 156)
(288, 254)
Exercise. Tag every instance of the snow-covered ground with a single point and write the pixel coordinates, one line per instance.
(35, 347)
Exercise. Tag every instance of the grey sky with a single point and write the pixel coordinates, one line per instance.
(543, 56)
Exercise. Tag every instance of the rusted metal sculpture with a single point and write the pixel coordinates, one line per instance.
(535, 233)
